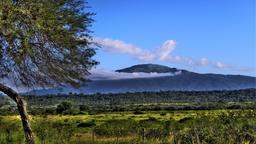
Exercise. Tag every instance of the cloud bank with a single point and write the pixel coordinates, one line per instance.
(163, 53)
(118, 46)
(101, 74)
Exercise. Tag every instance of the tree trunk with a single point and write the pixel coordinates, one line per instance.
(22, 111)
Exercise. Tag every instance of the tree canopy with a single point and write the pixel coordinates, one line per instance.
(45, 42)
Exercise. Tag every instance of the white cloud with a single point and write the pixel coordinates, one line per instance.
(219, 64)
(163, 53)
(118, 46)
(166, 49)
(101, 74)
(204, 61)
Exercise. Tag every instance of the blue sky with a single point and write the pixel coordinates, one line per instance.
(206, 36)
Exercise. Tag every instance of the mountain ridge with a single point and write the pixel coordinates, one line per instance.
(149, 68)
(184, 81)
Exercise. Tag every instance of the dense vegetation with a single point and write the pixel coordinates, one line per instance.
(201, 117)
(140, 101)
(184, 127)
(195, 97)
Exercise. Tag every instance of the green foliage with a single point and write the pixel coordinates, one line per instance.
(86, 124)
(65, 107)
(84, 108)
(49, 132)
(10, 132)
(195, 98)
(184, 127)
(45, 42)
(154, 101)
(116, 128)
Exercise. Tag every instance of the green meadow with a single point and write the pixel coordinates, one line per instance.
(145, 127)
(210, 117)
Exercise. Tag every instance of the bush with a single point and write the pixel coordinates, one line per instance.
(138, 112)
(183, 120)
(84, 108)
(86, 124)
(116, 128)
(65, 107)
(163, 114)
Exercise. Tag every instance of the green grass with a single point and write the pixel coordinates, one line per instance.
(215, 126)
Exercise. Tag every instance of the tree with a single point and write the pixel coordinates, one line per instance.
(43, 43)
(65, 107)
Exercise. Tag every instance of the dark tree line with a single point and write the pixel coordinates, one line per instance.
(193, 97)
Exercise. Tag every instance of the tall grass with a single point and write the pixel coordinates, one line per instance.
(184, 127)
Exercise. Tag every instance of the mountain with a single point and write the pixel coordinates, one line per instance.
(174, 79)
(149, 68)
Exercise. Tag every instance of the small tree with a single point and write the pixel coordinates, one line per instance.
(65, 107)
(43, 43)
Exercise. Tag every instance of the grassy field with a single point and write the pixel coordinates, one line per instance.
(153, 127)
(207, 117)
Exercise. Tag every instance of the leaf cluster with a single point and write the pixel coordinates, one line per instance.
(45, 42)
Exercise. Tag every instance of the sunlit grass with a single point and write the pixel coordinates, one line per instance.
(126, 127)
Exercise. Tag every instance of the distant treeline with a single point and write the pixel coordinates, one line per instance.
(137, 102)
(192, 97)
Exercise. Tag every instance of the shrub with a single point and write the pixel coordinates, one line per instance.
(86, 124)
(183, 120)
(138, 112)
(65, 107)
(84, 108)
(163, 114)
(116, 128)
